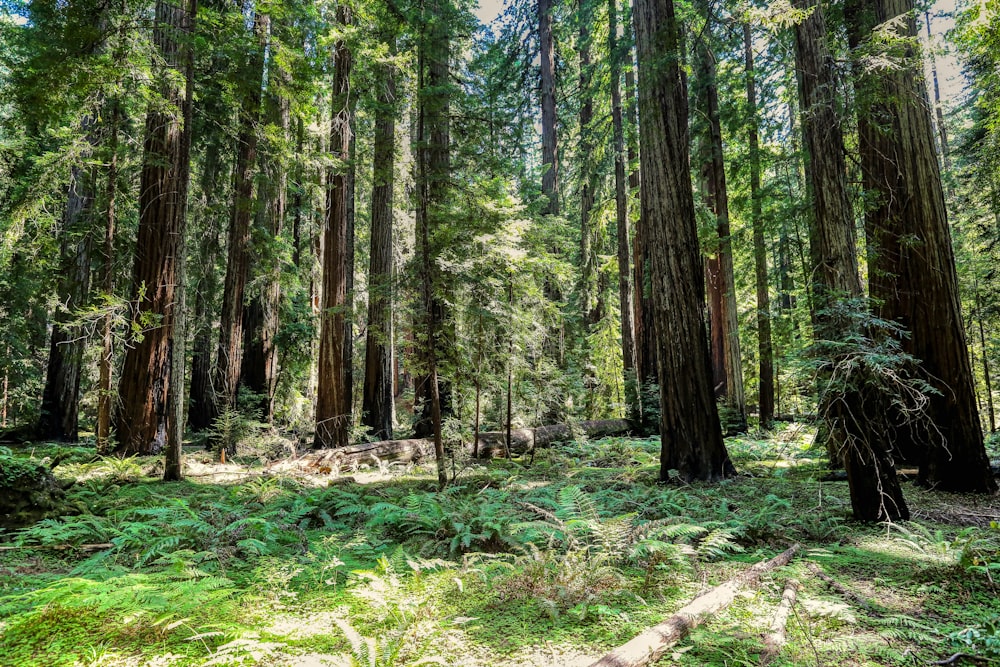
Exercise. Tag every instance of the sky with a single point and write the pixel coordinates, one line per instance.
(488, 10)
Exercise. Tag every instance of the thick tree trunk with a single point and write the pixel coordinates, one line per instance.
(144, 417)
(913, 276)
(689, 422)
(333, 418)
(625, 294)
(229, 359)
(550, 148)
(764, 347)
(61, 396)
(875, 492)
(727, 366)
(376, 407)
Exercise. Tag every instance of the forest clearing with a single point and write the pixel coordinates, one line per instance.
(604, 333)
(553, 563)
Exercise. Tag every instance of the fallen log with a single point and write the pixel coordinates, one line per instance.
(840, 588)
(775, 638)
(654, 642)
(491, 444)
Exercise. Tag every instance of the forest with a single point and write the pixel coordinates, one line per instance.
(389, 333)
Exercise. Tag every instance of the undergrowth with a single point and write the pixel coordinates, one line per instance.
(580, 550)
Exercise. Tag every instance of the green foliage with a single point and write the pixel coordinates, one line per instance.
(450, 520)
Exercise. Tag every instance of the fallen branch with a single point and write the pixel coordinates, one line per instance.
(958, 656)
(840, 588)
(654, 642)
(775, 639)
(59, 547)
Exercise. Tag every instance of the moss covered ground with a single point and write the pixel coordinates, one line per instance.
(552, 563)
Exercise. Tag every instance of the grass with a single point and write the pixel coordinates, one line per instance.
(512, 565)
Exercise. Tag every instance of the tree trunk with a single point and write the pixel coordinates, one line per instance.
(913, 276)
(333, 419)
(588, 258)
(435, 133)
(260, 360)
(105, 399)
(632, 407)
(229, 359)
(691, 438)
(764, 348)
(144, 417)
(377, 397)
(645, 334)
(201, 407)
(61, 396)
(727, 367)
(172, 468)
(550, 148)
(986, 361)
(875, 492)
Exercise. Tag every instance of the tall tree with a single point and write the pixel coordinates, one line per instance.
(765, 354)
(588, 181)
(724, 337)
(911, 261)
(143, 420)
(61, 396)
(550, 146)
(625, 292)
(434, 161)
(260, 356)
(691, 437)
(875, 492)
(333, 400)
(645, 332)
(377, 403)
(229, 359)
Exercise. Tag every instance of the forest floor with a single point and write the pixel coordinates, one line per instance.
(549, 564)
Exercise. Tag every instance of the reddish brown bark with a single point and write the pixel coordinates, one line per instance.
(229, 359)
(691, 438)
(377, 403)
(875, 491)
(144, 413)
(333, 401)
(912, 264)
(61, 395)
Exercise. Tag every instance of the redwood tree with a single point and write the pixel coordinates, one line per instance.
(911, 262)
(691, 437)
(765, 353)
(229, 360)
(333, 400)
(850, 407)
(61, 396)
(377, 404)
(144, 415)
(724, 337)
